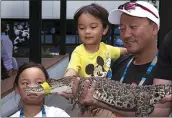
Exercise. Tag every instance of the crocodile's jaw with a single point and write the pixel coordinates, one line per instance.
(62, 89)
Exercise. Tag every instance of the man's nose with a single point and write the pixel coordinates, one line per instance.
(126, 33)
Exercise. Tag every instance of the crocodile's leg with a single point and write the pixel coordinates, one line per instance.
(83, 108)
(144, 109)
(141, 112)
(150, 109)
(78, 95)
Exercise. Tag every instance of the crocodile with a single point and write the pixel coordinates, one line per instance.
(113, 93)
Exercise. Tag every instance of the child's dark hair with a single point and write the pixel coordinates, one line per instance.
(29, 65)
(96, 11)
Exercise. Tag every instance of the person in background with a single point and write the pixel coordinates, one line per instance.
(32, 74)
(10, 62)
(163, 68)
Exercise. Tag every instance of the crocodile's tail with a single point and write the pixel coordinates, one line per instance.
(162, 90)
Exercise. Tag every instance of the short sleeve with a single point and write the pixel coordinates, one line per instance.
(163, 68)
(17, 114)
(75, 61)
(115, 51)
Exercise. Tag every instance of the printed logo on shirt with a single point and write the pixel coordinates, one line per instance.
(134, 84)
(108, 64)
(98, 70)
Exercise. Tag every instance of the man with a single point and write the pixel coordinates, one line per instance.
(139, 25)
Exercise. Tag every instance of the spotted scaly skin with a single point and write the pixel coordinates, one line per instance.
(114, 93)
(126, 96)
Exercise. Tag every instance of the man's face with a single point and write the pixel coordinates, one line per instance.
(137, 33)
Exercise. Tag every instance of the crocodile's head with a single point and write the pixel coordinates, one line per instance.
(56, 85)
(37, 89)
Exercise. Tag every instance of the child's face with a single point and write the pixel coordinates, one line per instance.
(30, 77)
(90, 29)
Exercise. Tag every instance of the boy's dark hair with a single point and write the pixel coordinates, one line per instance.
(96, 11)
(29, 65)
(3, 26)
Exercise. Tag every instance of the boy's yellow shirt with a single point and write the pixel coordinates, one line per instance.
(94, 64)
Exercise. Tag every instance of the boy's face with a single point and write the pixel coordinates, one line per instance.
(31, 77)
(90, 29)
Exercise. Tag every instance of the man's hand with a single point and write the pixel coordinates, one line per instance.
(166, 99)
(74, 89)
(87, 95)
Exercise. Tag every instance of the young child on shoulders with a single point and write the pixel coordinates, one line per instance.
(32, 74)
(92, 58)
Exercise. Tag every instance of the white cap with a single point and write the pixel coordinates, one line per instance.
(150, 12)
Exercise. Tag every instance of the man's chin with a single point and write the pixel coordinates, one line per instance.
(132, 52)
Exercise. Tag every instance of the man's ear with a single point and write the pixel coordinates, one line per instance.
(155, 29)
(106, 30)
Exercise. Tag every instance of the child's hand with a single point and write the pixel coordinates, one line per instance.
(68, 95)
(123, 51)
